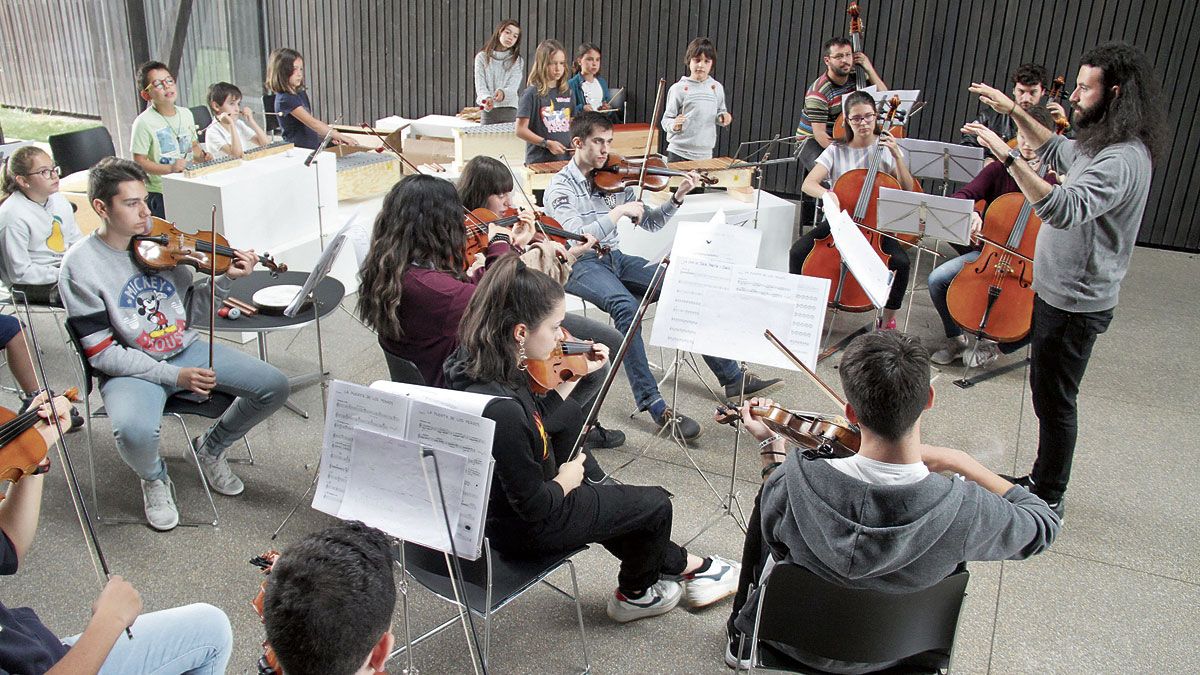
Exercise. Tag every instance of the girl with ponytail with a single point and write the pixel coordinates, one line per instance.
(37, 225)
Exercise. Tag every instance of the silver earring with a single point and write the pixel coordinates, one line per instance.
(521, 355)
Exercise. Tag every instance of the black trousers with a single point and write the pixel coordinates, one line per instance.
(1060, 347)
(754, 558)
(898, 263)
(632, 521)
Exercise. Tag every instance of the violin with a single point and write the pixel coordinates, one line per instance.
(861, 188)
(166, 247)
(993, 296)
(23, 449)
(651, 173)
(567, 363)
(547, 227)
(268, 663)
(820, 436)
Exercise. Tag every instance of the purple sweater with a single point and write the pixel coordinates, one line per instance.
(431, 307)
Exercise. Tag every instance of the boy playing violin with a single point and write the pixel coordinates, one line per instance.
(135, 330)
(885, 518)
(615, 282)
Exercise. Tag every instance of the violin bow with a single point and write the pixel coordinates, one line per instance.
(81, 512)
(658, 101)
(388, 145)
(212, 287)
(833, 395)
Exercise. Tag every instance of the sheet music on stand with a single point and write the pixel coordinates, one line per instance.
(858, 255)
(716, 302)
(942, 161)
(321, 268)
(908, 97)
(945, 218)
(376, 439)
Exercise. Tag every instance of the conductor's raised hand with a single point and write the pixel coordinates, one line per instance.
(992, 97)
(987, 139)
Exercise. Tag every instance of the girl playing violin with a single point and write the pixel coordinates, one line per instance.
(487, 183)
(135, 330)
(540, 503)
(413, 288)
(855, 153)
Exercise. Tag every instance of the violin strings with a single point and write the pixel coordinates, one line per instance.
(18, 425)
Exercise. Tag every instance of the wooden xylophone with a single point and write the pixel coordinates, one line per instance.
(215, 165)
(366, 174)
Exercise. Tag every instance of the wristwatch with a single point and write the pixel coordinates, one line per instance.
(1013, 155)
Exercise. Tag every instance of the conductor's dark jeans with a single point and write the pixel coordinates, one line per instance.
(1061, 345)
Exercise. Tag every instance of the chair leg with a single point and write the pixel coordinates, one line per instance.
(249, 460)
(196, 458)
(587, 658)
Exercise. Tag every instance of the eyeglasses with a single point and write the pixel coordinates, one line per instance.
(161, 84)
(862, 119)
(46, 172)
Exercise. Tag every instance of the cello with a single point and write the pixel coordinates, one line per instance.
(992, 297)
(861, 188)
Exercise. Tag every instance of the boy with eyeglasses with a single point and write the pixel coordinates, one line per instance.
(164, 135)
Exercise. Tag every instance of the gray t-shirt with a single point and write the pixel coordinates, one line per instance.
(549, 117)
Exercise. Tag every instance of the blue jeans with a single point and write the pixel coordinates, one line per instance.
(135, 405)
(939, 285)
(616, 284)
(194, 639)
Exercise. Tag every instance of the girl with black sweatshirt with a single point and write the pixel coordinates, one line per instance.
(540, 503)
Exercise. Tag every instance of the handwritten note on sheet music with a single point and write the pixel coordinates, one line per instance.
(352, 406)
(395, 488)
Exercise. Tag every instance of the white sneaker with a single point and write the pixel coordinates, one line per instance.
(660, 598)
(719, 582)
(985, 352)
(218, 474)
(950, 350)
(158, 499)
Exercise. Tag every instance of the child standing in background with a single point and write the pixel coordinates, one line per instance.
(544, 112)
(164, 135)
(695, 106)
(589, 91)
(285, 77)
(499, 69)
(234, 129)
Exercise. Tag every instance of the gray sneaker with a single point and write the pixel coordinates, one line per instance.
(218, 474)
(158, 499)
(950, 349)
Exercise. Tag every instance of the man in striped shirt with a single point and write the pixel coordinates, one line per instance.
(823, 100)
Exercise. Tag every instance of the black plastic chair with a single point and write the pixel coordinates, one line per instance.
(80, 150)
(203, 117)
(799, 609)
(271, 118)
(176, 406)
(490, 584)
(403, 370)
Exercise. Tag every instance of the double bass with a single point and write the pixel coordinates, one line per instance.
(861, 188)
(860, 75)
(992, 297)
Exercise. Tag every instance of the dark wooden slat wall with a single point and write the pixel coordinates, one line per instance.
(373, 58)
